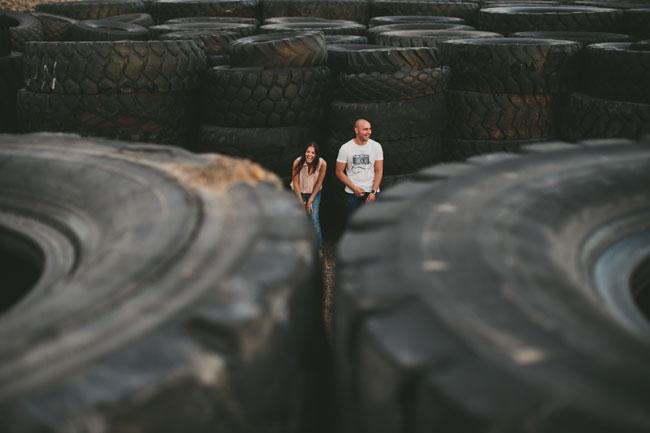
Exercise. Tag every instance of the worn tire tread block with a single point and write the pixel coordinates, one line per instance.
(591, 117)
(485, 116)
(113, 66)
(169, 9)
(616, 71)
(92, 9)
(28, 28)
(510, 19)
(259, 97)
(273, 148)
(152, 117)
(358, 58)
(11, 80)
(406, 83)
(391, 121)
(512, 65)
(279, 50)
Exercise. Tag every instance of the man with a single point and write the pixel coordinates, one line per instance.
(360, 166)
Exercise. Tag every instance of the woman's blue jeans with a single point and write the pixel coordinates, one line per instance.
(314, 216)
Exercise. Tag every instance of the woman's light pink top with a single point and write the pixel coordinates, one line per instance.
(307, 181)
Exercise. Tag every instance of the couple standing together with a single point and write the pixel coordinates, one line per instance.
(359, 166)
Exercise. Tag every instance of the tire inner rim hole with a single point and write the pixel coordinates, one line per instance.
(640, 286)
(21, 265)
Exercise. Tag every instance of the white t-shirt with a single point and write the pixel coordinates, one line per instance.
(360, 162)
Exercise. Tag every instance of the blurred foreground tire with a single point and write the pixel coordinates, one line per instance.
(175, 292)
(509, 293)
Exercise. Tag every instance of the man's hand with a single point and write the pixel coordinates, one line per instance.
(309, 206)
(358, 191)
(371, 197)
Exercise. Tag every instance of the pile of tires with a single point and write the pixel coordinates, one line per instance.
(11, 78)
(504, 92)
(507, 293)
(270, 102)
(131, 90)
(615, 101)
(164, 291)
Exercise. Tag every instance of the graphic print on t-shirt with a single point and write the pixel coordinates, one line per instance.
(360, 162)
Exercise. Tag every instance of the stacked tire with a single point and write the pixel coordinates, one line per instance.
(269, 103)
(11, 78)
(504, 92)
(131, 90)
(616, 97)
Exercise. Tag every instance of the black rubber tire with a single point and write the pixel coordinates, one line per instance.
(113, 66)
(512, 65)
(147, 231)
(165, 118)
(11, 79)
(244, 97)
(617, 71)
(463, 9)
(637, 22)
(215, 42)
(280, 50)
(232, 20)
(358, 58)
(163, 10)
(466, 299)
(410, 19)
(374, 32)
(486, 116)
(327, 27)
(141, 19)
(92, 9)
(273, 148)
(345, 39)
(403, 84)
(591, 117)
(355, 10)
(299, 19)
(103, 30)
(406, 156)
(460, 150)
(55, 27)
(583, 38)
(392, 120)
(428, 38)
(23, 28)
(238, 28)
(617, 4)
(212, 60)
(510, 19)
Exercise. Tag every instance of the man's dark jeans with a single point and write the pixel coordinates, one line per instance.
(352, 203)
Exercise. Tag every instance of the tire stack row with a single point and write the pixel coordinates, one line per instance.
(504, 92)
(132, 90)
(268, 104)
(616, 98)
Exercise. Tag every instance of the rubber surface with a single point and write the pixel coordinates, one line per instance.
(327, 27)
(54, 27)
(403, 84)
(213, 41)
(428, 38)
(280, 50)
(274, 148)
(165, 118)
(11, 79)
(23, 28)
(113, 66)
(256, 97)
(146, 231)
(469, 298)
(163, 10)
(512, 65)
(358, 58)
(103, 30)
(355, 10)
(92, 9)
(591, 117)
(486, 116)
(461, 9)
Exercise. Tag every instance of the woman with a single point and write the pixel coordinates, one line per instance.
(307, 175)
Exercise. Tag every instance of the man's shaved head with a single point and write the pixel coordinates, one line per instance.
(362, 131)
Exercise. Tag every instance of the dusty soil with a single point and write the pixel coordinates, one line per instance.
(23, 5)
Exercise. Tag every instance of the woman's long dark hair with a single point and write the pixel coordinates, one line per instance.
(301, 161)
